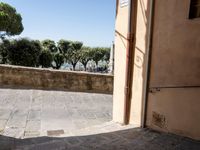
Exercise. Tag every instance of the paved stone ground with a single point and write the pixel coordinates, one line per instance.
(27, 115)
(107, 136)
(31, 113)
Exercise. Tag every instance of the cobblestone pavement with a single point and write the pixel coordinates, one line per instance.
(107, 136)
(33, 113)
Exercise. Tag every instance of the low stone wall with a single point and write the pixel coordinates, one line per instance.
(24, 77)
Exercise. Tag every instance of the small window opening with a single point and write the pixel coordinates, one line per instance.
(194, 9)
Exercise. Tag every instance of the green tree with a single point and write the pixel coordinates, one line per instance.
(73, 53)
(106, 52)
(45, 59)
(4, 46)
(85, 56)
(98, 54)
(49, 45)
(58, 59)
(64, 46)
(24, 52)
(38, 48)
(56, 52)
(10, 21)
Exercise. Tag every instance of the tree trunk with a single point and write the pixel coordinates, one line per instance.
(4, 60)
(97, 63)
(58, 66)
(85, 67)
(74, 66)
(97, 66)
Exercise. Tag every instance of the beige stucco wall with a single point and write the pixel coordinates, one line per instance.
(24, 77)
(177, 111)
(176, 45)
(121, 29)
(173, 99)
(175, 70)
(139, 67)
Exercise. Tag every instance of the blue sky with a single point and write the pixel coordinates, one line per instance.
(89, 21)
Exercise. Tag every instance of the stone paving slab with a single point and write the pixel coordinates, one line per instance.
(5, 114)
(2, 125)
(33, 126)
(31, 113)
(13, 132)
(34, 115)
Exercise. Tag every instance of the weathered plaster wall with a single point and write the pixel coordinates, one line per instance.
(176, 111)
(14, 76)
(175, 105)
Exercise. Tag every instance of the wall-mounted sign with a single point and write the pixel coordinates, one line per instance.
(124, 3)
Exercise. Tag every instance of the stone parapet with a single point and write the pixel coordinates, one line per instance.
(49, 79)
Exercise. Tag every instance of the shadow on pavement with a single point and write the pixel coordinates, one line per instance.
(130, 139)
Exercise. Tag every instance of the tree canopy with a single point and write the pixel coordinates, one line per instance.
(47, 53)
(56, 52)
(24, 52)
(106, 52)
(45, 59)
(58, 59)
(4, 46)
(98, 54)
(85, 56)
(49, 45)
(73, 53)
(64, 46)
(10, 21)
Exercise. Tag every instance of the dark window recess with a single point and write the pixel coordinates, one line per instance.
(194, 9)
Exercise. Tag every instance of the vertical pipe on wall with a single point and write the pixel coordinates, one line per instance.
(148, 61)
(129, 59)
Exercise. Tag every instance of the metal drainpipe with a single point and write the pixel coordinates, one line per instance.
(148, 62)
(129, 59)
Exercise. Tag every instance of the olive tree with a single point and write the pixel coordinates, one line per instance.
(106, 52)
(58, 59)
(63, 46)
(57, 55)
(49, 45)
(98, 54)
(85, 56)
(73, 53)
